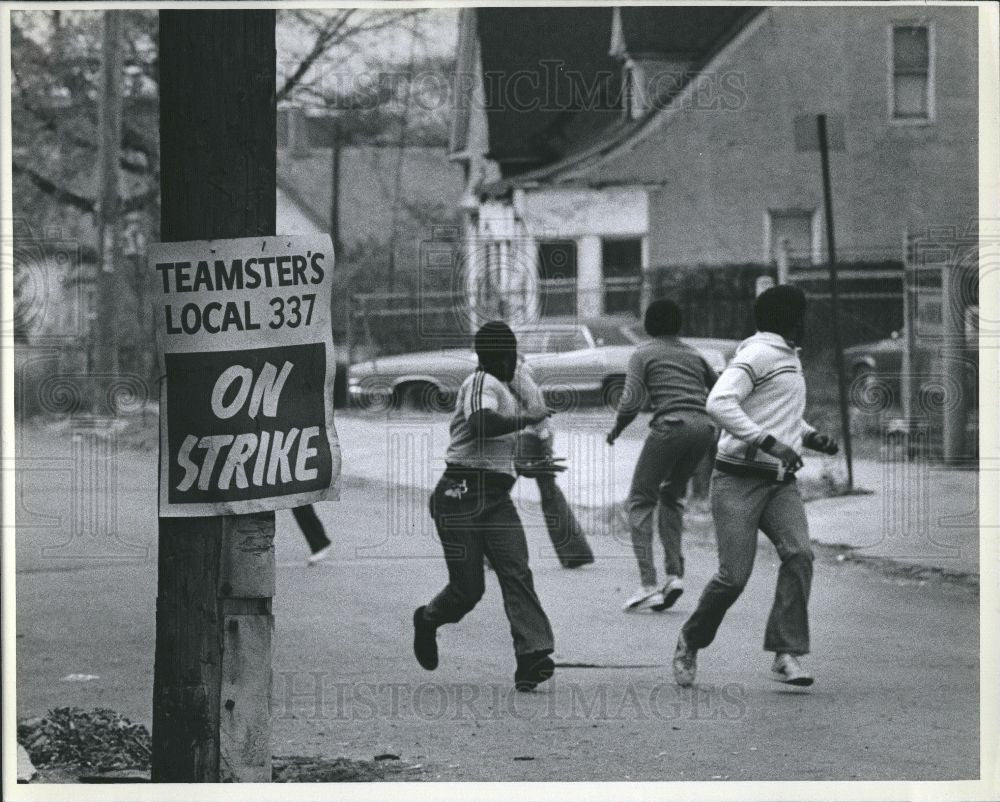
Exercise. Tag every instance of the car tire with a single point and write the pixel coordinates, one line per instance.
(611, 391)
(862, 376)
(376, 396)
(867, 392)
(421, 397)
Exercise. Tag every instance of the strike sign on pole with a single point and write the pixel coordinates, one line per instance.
(243, 331)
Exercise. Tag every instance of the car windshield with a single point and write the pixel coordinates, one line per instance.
(562, 339)
(610, 332)
(532, 342)
(555, 340)
(635, 333)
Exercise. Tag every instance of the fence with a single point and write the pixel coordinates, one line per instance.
(716, 301)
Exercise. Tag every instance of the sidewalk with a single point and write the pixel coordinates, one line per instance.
(918, 515)
(409, 451)
(914, 514)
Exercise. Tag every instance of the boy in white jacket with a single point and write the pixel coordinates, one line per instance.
(758, 401)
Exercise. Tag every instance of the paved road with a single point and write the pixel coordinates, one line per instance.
(914, 512)
(896, 659)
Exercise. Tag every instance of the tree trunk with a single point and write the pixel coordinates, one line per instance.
(109, 267)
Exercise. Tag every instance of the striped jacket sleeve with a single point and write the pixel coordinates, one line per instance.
(525, 386)
(725, 401)
(482, 394)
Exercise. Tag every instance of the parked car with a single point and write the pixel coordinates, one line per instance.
(881, 362)
(579, 361)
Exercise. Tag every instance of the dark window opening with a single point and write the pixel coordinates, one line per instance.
(910, 72)
(621, 265)
(557, 277)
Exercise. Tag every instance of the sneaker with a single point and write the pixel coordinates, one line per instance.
(685, 663)
(671, 592)
(577, 562)
(786, 668)
(319, 556)
(424, 640)
(532, 670)
(643, 598)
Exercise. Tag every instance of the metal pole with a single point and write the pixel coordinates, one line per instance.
(906, 379)
(953, 366)
(782, 260)
(845, 422)
(335, 189)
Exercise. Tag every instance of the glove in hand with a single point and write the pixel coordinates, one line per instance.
(821, 442)
(546, 466)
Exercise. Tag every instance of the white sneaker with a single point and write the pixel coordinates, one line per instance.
(671, 592)
(786, 668)
(645, 597)
(320, 555)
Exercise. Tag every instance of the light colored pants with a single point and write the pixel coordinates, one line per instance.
(740, 506)
(675, 445)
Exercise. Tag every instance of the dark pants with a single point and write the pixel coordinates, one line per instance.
(741, 505)
(674, 447)
(311, 527)
(475, 517)
(564, 530)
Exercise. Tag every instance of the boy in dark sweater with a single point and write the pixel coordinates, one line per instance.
(673, 379)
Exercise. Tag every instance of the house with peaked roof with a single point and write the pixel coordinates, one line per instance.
(600, 143)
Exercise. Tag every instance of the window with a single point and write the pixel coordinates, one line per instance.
(557, 274)
(621, 266)
(910, 93)
(557, 260)
(791, 231)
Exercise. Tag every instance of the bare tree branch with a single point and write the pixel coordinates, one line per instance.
(325, 38)
(138, 202)
(49, 187)
(53, 190)
(130, 140)
(336, 31)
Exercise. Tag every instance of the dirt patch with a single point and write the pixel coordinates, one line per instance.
(338, 770)
(70, 745)
(294, 769)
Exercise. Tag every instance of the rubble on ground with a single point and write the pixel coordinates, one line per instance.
(98, 739)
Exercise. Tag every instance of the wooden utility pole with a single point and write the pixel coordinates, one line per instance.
(212, 673)
(845, 421)
(109, 207)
